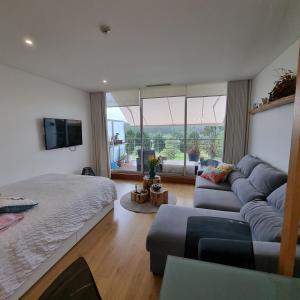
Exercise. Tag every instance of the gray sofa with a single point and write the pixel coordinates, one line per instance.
(254, 192)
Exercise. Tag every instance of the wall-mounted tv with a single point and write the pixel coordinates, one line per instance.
(60, 133)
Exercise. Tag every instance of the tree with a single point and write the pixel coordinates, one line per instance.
(130, 139)
(147, 140)
(171, 148)
(193, 140)
(214, 144)
(158, 143)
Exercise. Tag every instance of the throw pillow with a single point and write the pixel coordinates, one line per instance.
(228, 168)
(215, 175)
(11, 205)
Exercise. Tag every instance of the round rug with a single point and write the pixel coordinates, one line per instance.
(145, 208)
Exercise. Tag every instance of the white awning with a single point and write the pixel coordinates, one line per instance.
(122, 98)
(170, 111)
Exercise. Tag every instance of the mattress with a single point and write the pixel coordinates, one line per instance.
(66, 203)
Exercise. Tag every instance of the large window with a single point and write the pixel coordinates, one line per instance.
(163, 127)
(205, 130)
(124, 130)
(184, 132)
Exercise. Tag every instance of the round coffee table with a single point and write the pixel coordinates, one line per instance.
(145, 208)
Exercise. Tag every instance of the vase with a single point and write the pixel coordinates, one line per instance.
(152, 173)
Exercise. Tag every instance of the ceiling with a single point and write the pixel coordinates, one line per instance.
(151, 42)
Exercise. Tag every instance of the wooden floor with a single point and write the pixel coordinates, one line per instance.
(115, 251)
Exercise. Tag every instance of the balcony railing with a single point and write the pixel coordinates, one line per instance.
(127, 156)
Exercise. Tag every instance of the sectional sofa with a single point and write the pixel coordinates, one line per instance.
(254, 192)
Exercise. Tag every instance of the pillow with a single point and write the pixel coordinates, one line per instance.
(215, 175)
(277, 197)
(228, 168)
(234, 175)
(266, 179)
(247, 164)
(11, 205)
(265, 221)
(225, 167)
(245, 191)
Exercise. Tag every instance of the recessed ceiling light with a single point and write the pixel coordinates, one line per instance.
(28, 42)
(104, 81)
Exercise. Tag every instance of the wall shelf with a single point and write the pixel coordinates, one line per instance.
(273, 104)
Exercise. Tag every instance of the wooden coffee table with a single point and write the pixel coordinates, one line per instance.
(157, 198)
(147, 181)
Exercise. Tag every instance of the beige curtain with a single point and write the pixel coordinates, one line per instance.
(99, 134)
(236, 125)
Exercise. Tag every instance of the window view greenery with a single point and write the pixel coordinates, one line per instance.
(164, 135)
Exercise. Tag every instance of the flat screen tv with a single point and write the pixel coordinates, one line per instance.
(74, 133)
(60, 133)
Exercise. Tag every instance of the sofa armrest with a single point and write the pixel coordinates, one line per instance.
(267, 256)
(237, 253)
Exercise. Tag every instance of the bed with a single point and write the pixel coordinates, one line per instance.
(69, 206)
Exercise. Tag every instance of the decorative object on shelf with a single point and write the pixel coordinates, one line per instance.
(156, 186)
(265, 100)
(153, 163)
(285, 86)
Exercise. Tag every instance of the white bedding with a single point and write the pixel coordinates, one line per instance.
(66, 202)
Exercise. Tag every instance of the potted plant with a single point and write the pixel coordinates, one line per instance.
(285, 86)
(121, 161)
(194, 152)
(153, 163)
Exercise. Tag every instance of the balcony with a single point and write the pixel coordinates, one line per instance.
(171, 151)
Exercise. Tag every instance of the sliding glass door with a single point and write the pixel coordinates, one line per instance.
(205, 131)
(163, 131)
(124, 134)
(185, 133)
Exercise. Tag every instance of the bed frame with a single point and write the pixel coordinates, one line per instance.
(60, 252)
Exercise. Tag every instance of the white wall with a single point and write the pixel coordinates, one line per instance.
(270, 131)
(24, 100)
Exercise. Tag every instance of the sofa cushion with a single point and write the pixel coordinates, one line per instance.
(168, 230)
(245, 191)
(277, 197)
(234, 175)
(266, 179)
(265, 220)
(247, 164)
(207, 184)
(216, 199)
(215, 175)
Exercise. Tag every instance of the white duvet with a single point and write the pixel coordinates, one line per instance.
(66, 202)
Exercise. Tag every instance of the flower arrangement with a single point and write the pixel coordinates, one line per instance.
(153, 163)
